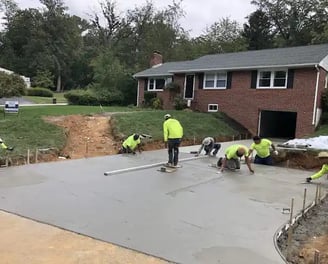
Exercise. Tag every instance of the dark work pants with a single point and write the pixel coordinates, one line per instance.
(208, 149)
(173, 150)
(264, 161)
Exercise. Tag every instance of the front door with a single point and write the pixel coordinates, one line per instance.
(189, 87)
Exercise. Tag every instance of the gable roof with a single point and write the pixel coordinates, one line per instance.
(302, 56)
(165, 69)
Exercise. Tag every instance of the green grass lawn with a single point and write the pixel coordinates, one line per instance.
(322, 131)
(47, 100)
(27, 130)
(196, 125)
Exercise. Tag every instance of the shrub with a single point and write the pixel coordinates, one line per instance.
(324, 101)
(157, 103)
(81, 97)
(180, 103)
(11, 85)
(37, 91)
(148, 98)
(173, 87)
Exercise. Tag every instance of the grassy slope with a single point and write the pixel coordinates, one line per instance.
(196, 125)
(28, 131)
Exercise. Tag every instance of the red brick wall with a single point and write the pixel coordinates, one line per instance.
(244, 104)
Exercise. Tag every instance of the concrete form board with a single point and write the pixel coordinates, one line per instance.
(193, 215)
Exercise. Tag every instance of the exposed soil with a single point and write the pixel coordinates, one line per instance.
(90, 136)
(309, 235)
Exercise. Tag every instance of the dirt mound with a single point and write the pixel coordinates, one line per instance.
(87, 136)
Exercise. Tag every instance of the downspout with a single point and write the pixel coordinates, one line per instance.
(316, 95)
(138, 93)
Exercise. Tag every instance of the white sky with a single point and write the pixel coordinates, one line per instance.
(199, 13)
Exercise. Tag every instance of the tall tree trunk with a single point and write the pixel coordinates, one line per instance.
(58, 83)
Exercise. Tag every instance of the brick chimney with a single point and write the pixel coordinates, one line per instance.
(156, 59)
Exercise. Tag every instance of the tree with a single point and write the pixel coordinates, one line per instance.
(63, 37)
(294, 21)
(257, 31)
(223, 36)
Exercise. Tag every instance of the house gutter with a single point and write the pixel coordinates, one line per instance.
(255, 67)
(316, 95)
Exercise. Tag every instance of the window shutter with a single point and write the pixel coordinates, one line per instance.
(254, 79)
(200, 80)
(146, 84)
(229, 79)
(290, 78)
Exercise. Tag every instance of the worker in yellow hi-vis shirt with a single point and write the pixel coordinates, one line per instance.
(324, 169)
(262, 147)
(232, 157)
(3, 146)
(173, 133)
(130, 144)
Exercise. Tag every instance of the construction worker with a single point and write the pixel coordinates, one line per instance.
(232, 157)
(130, 144)
(173, 133)
(208, 144)
(3, 146)
(262, 147)
(323, 156)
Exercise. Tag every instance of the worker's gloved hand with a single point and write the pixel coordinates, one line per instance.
(10, 148)
(165, 144)
(276, 152)
(134, 153)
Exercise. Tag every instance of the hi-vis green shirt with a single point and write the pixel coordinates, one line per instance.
(172, 129)
(263, 148)
(131, 143)
(323, 171)
(231, 152)
(2, 145)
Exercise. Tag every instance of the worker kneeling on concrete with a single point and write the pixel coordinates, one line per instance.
(262, 147)
(232, 157)
(131, 144)
(209, 145)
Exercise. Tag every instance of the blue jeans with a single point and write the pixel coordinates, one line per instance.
(263, 161)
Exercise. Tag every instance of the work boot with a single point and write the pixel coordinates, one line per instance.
(168, 164)
(309, 179)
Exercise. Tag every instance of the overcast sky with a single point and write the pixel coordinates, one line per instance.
(199, 13)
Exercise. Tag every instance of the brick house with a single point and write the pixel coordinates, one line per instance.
(272, 92)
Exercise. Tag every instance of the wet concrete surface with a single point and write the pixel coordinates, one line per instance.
(193, 215)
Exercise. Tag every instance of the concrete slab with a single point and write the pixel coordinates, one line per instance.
(193, 215)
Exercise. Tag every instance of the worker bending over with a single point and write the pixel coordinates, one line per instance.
(209, 145)
(131, 144)
(262, 147)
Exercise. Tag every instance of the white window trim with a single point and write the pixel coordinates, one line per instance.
(211, 110)
(215, 81)
(156, 78)
(271, 79)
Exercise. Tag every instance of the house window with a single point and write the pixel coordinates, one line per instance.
(156, 84)
(272, 79)
(215, 80)
(212, 108)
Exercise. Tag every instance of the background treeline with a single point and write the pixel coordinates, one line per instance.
(99, 55)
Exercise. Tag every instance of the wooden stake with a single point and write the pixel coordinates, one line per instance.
(316, 257)
(304, 201)
(290, 229)
(316, 194)
(36, 155)
(28, 157)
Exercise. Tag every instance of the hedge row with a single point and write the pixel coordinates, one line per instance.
(37, 91)
(81, 97)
